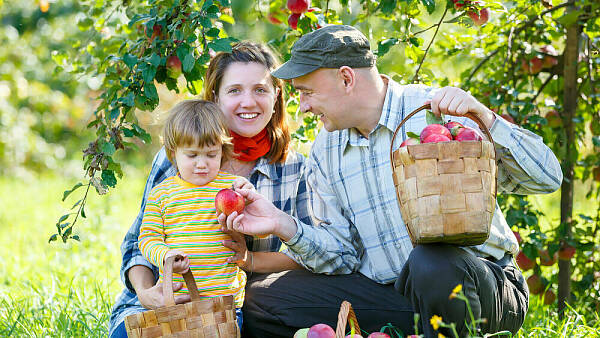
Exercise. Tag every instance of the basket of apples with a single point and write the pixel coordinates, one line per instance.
(445, 181)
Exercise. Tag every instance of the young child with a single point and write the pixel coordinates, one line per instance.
(180, 216)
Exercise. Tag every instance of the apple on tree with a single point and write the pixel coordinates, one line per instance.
(297, 6)
(566, 252)
(545, 258)
(524, 262)
(481, 17)
(535, 283)
(228, 200)
(293, 21)
(549, 297)
(173, 66)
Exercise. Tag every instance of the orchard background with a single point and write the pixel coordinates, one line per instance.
(100, 75)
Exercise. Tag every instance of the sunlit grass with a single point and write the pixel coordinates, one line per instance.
(58, 290)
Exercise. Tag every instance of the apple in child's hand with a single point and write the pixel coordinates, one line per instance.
(228, 200)
(435, 129)
(468, 134)
(321, 331)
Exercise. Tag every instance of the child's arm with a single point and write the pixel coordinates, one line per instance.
(181, 263)
(152, 234)
(258, 261)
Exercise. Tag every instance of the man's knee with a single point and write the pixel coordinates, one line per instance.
(435, 263)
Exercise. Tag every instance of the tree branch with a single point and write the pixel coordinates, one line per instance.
(516, 32)
(429, 46)
(542, 88)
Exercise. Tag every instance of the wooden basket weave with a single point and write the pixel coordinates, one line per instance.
(200, 318)
(447, 190)
(346, 316)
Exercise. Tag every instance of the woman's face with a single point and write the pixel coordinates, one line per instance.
(247, 97)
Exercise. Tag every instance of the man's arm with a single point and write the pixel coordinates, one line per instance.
(525, 164)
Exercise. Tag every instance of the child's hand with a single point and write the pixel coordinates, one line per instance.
(242, 183)
(181, 263)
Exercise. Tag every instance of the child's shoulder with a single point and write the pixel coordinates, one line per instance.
(224, 179)
(167, 184)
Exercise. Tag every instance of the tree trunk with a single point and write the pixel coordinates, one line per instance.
(571, 54)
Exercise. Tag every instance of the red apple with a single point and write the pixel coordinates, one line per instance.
(481, 17)
(378, 335)
(320, 331)
(596, 174)
(545, 258)
(532, 66)
(566, 252)
(525, 262)
(468, 134)
(173, 66)
(550, 57)
(273, 19)
(518, 236)
(293, 21)
(227, 201)
(458, 4)
(156, 31)
(549, 297)
(508, 118)
(435, 138)
(454, 127)
(554, 119)
(409, 142)
(435, 129)
(536, 286)
(297, 6)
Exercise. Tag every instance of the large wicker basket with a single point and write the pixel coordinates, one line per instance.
(447, 190)
(200, 318)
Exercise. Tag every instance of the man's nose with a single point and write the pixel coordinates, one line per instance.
(304, 106)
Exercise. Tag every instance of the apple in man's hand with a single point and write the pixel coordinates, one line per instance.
(228, 200)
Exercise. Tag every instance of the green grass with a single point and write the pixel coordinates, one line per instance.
(58, 290)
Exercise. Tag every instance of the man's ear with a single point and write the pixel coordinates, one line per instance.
(348, 76)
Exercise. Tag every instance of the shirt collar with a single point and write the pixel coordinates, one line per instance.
(354, 138)
(262, 166)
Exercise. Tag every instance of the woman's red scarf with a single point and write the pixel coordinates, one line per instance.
(250, 149)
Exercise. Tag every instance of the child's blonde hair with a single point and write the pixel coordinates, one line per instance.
(196, 123)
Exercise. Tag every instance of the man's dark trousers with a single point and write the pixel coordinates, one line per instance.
(278, 304)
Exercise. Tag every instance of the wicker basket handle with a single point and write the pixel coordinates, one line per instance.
(346, 315)
(190, 282)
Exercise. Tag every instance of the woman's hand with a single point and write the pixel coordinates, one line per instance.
(181, 264)
(241, 254)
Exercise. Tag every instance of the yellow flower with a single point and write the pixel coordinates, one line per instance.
(455, 291)
(441, 335)
(435, 321)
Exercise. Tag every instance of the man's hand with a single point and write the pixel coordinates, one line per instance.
(242, 183)
(457, 102)
(260, 217)
(152, 298)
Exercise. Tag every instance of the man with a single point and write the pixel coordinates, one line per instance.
(358, 233)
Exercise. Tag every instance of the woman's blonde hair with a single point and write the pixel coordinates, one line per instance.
(247, 51)
(196, 123)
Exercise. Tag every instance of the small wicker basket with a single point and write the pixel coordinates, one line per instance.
(447, 190)
(200, 318)
(346, 316)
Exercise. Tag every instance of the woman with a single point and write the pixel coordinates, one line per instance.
(253, 104)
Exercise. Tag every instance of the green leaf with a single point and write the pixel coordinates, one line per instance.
(76, 237)
(130, 60)
(150, 91)
(83, 213)
(429, 4)
(213, 32)
(148, 74)
(387, 6)
(221, 45)
(188, 62)
(412, 135)
(108, 148)
(431, 118)
(384, 46)
(53, 238)
(128, 100)
(227, 18)
(76, 204)
(108, 178)
(68, 192)
(154, 60)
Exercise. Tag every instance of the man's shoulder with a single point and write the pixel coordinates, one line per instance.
(411, 90)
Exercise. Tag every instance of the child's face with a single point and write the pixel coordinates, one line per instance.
(198, 165)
